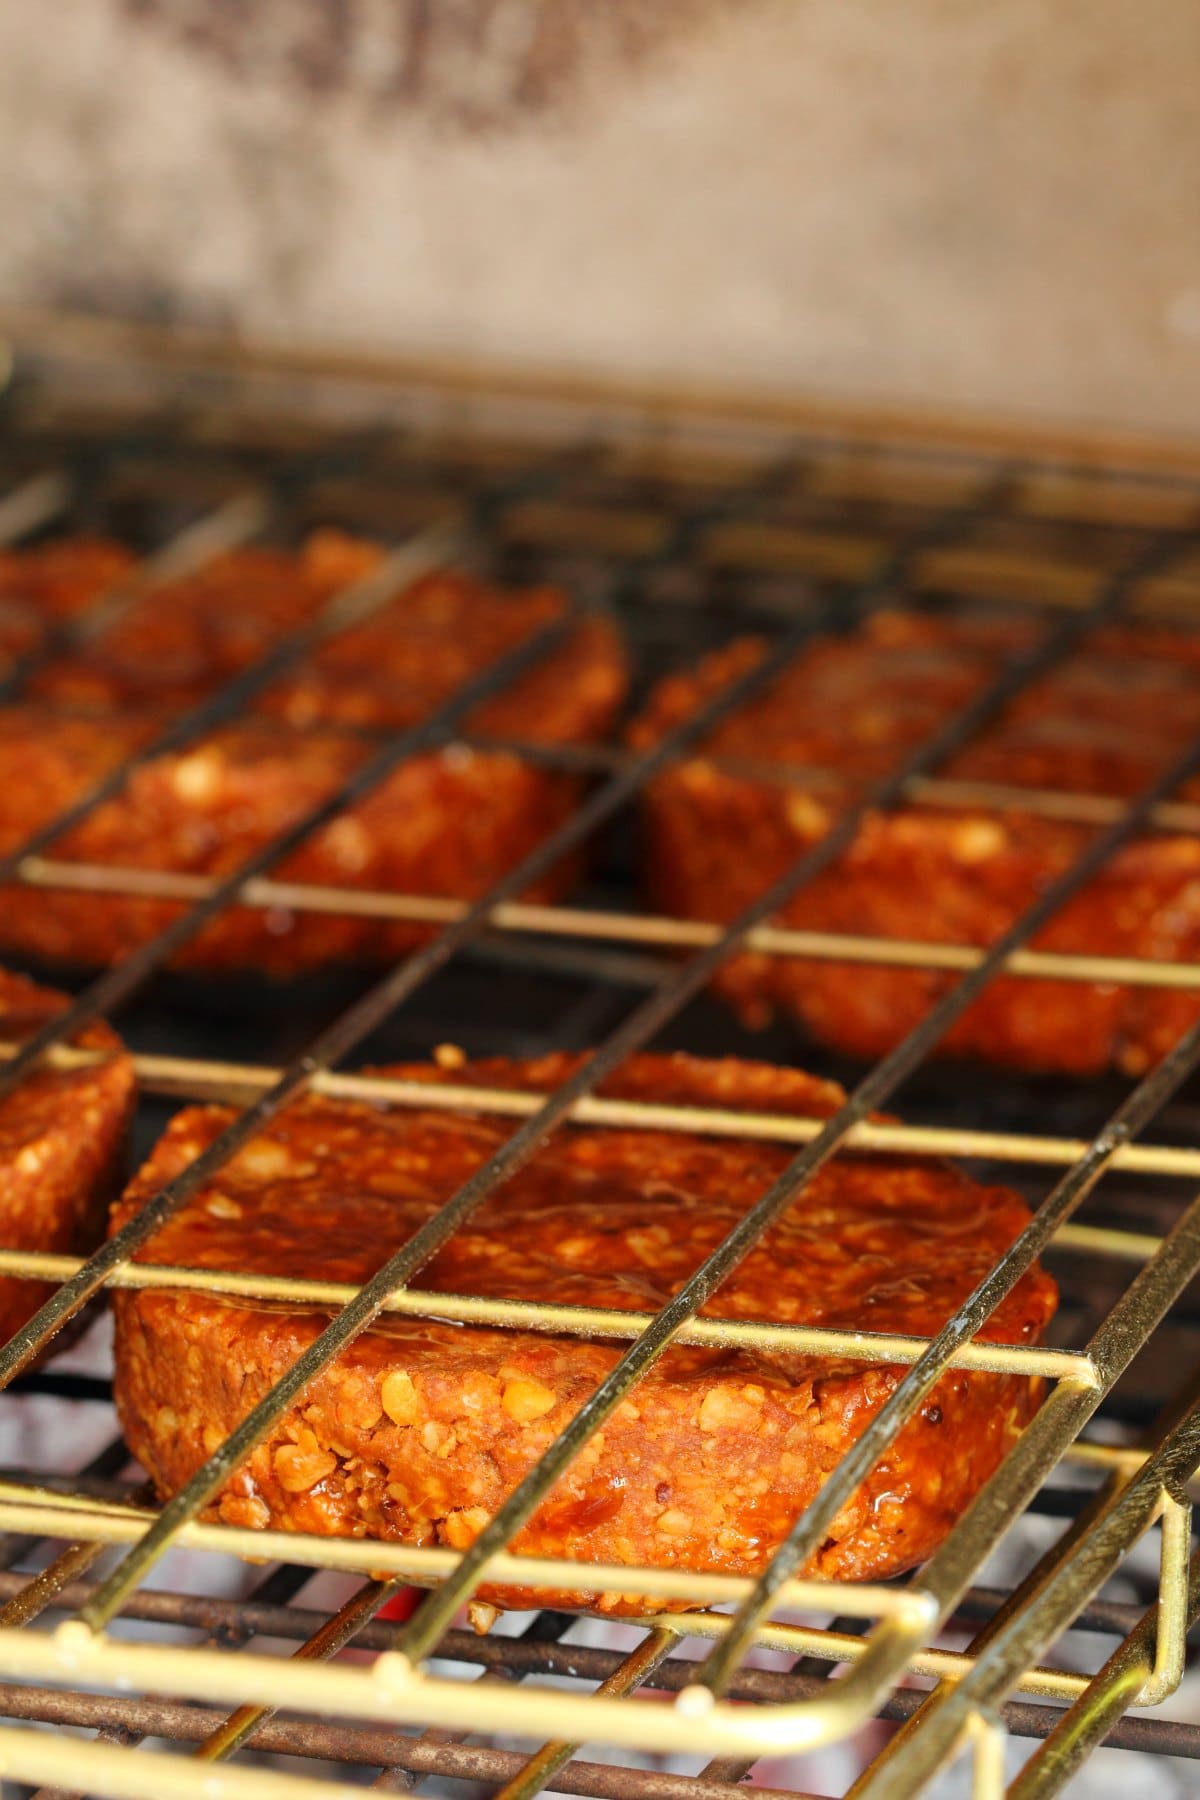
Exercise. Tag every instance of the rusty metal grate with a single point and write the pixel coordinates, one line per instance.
(689, 526)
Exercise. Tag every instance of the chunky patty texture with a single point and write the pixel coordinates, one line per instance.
(420, 1430)
(62, 1144)
(767, 783)
(446, 824)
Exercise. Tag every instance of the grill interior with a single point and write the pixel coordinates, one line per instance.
(694, 529)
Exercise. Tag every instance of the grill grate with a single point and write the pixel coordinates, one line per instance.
(689, 538)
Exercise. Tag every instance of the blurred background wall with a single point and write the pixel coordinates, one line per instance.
(948, 201)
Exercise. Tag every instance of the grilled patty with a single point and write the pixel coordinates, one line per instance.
(419, 1431)
(62, 1144)
(446, 824)
(727, 820)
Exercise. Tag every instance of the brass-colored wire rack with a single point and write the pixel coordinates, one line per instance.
(692, 518)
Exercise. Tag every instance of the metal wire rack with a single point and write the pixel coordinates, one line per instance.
(692, 520)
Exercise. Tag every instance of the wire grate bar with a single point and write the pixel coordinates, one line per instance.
(527, 921)
(14, 1549)
(233, 522)
(115, 1520)
(914, 1755)
(583, 1663)
(530, 1654)
(365, 1747)
(227, 1082)
(1073, 1536)
(1088, 1722)
(1074, 1560)
(1075, 806)
(638, 1668)
(544, 1628)
(650, 418)
(34, 503)
(232, 1634)
(1070, 806)
(565, 1320)
(331, 1637)
(68, 1566)
(188, 550)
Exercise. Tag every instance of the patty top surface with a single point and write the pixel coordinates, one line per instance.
(179, 643)
(606, 1217)
(1107, 719)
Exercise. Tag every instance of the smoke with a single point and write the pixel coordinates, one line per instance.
(471, 65)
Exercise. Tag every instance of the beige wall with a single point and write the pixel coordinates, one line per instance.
(961, 202)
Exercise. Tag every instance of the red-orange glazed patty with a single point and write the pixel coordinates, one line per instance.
(62, 1144)
(447, 823)
(420, 1430)
(724, 822)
